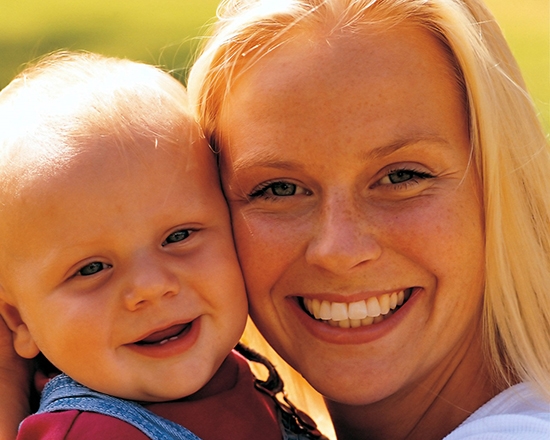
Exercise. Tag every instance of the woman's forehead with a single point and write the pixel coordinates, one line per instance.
(351, 106)
(373, 66)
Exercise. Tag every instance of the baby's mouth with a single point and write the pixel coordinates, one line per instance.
(163, 336)
(356, 314)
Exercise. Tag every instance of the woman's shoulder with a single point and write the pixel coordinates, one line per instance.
(517, 413)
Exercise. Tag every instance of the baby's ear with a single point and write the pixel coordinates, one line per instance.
(23, 342)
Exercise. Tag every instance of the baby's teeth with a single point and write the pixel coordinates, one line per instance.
(325, 311)
(384, 304)
(164, 341)
(339, 311)
(393, 300)
(373, 307)
(357, 310)
(400, 298)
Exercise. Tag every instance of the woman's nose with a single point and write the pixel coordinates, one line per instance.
(343, 237)
(148, 281)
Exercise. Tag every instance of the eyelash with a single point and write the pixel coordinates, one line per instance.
(95, 264)
(187, 233)
(415, 177)
(261, 191)
(79, 272)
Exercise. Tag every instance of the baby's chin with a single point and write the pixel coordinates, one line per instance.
(153, 392)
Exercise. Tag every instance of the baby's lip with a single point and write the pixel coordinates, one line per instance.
(160, 335)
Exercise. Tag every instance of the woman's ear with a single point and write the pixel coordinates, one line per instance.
(23, 342)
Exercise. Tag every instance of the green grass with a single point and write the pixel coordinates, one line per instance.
(164, 32)
(161, 32)
(526, 25)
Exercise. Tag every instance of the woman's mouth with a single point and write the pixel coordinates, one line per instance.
(164, 336)
(356, 314)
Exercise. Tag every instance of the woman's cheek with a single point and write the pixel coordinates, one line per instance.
(267, 244)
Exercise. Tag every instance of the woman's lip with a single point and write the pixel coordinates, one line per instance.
(352, 336)
(352, 297)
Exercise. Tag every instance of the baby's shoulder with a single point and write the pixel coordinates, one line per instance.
(74, 424)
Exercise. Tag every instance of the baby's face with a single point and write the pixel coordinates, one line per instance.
(122, 267)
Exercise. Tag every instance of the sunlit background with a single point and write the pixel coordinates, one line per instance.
(165, 32)
(161, 32)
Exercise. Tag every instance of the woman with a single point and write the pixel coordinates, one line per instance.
(386, 176)
(385, 171)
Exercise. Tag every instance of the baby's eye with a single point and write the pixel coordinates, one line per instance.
(174, 237)
(278, 189)
(92, 268)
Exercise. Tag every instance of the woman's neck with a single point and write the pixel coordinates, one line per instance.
(429, 410)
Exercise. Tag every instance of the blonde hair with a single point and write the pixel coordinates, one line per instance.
(509, 146)
(71, 100)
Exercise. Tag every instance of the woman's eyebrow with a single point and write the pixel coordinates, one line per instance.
(262, 159)
(402, 144)
(259, 158)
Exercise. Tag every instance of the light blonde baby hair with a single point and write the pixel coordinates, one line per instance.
(509, 146)
(68, 101)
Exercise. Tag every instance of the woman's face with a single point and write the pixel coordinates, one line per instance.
(346, 163)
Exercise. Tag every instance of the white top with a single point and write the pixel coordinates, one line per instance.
(518, 413)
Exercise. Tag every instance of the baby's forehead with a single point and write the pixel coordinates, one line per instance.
(103, 174)
(87, 149)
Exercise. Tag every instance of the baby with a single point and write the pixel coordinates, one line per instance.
(117, 260)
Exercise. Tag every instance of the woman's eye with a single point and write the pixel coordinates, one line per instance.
(174, 237)
(400, 176)
(92, 268)
(283, 189)
(403, 176)
(278, 189)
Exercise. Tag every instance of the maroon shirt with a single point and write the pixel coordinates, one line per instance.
(227, 407)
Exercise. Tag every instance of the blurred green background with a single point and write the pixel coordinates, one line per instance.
(165, 32)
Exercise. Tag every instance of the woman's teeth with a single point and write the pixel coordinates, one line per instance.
(359, 313)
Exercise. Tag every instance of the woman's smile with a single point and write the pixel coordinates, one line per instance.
(357, 313)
